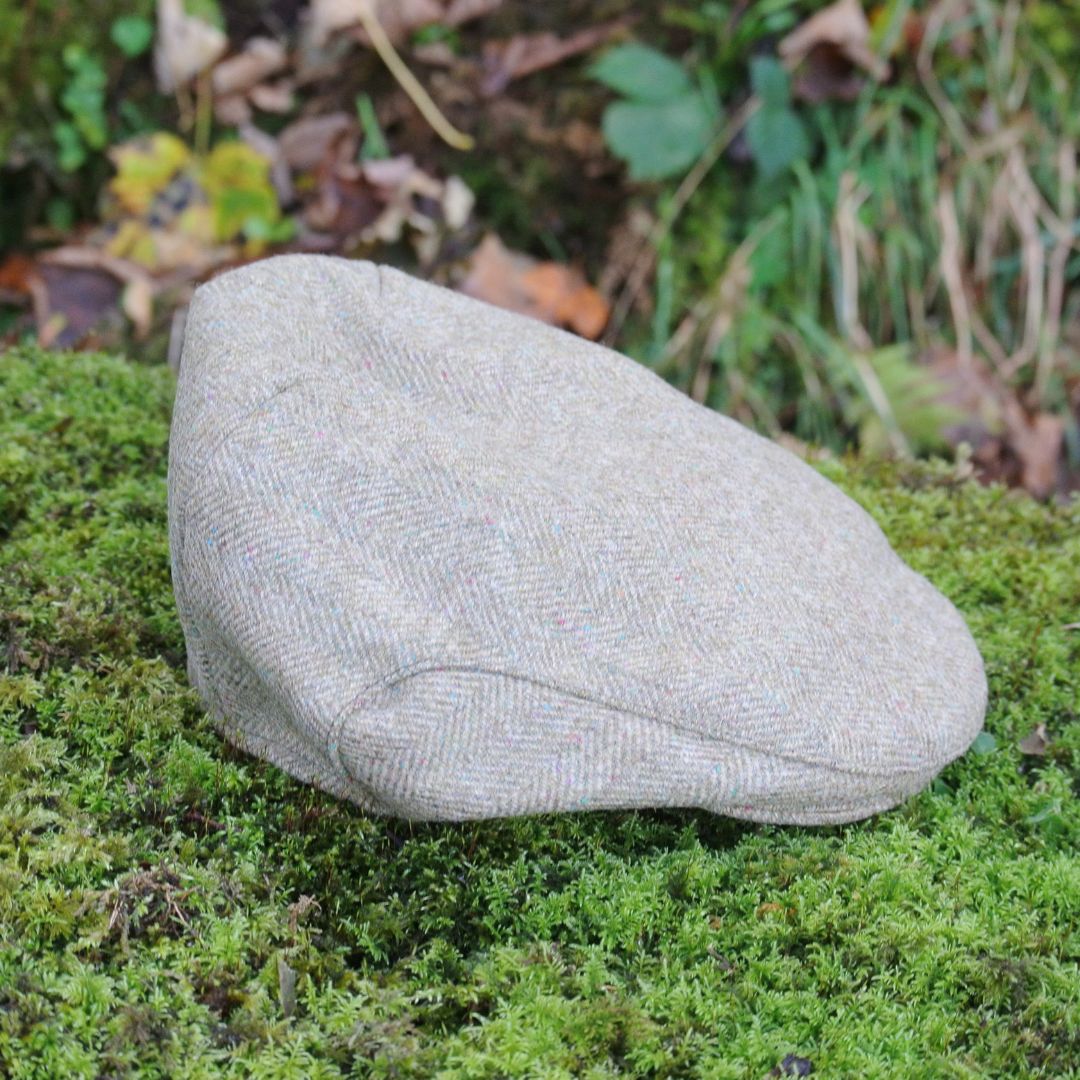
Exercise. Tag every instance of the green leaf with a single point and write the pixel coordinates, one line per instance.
(72, 151)
(641, 73)
(984, 743)
(375, 147)
(658, 139)
(770, 81)
(777, 139)
(132, 34)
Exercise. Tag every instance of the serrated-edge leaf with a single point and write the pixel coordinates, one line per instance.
(770, 81)
(641, 73)
(658, 139)
(777, 139)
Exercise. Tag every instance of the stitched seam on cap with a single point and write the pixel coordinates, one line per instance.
(408, 672)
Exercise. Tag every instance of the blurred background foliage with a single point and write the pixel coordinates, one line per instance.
(845, 224)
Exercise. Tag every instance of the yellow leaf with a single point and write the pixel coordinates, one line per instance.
(236, 179)
(145, 167)
(134, 240)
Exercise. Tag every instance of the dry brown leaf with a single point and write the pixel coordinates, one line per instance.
(457, 202)
(185, 45)
(377, 201)
(547, 291)
(137, 302)
(327, 17)
(233, 110)
(274, 97)
(842, 27)
(463, 11)
(1035, 743)
(268, 147)
(75, 300)
(76, 289)
(572, 302)
(399, 183)
(1038, 443)
(261, 58)
(307, 142)
(525, 54)
(399, 18)
(345, 202)
(827, 75)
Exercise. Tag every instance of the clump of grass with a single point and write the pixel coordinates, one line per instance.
(170, 908)
(925, 252)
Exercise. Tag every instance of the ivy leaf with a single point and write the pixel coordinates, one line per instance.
(777, 139)
(658, 139)
(132, 35)
(642, 74)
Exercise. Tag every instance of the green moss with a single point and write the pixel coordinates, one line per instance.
(152, 880)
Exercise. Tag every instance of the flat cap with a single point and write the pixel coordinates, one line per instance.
(448, 562)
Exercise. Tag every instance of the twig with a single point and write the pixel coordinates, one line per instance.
(409, 82)
(690, 183)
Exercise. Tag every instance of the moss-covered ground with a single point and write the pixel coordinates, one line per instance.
(169, 907)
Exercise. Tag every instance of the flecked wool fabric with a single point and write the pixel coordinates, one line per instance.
(448, 562)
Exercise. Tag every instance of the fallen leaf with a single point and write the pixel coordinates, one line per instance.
(327, 17)
(462, 11)
(457, 202)
(145, 167)
(233, 110)
(345, 203)
(274, 97)
(838, 34)
(1035, 743)
(1038, 443)
(399, 18)
(75, 299)
(236, 179)
(269, 147)
(307, 142)
(68, 270)
(21, 282)
(547, 291)
(827, 74)
(564, 293)
(525, 54)
(138, 305)
(411, 198)
(261, 57)
(185, 45)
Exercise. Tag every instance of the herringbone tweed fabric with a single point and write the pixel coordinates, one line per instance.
(448, 562)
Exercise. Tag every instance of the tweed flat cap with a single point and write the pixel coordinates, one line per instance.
(448, 562)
